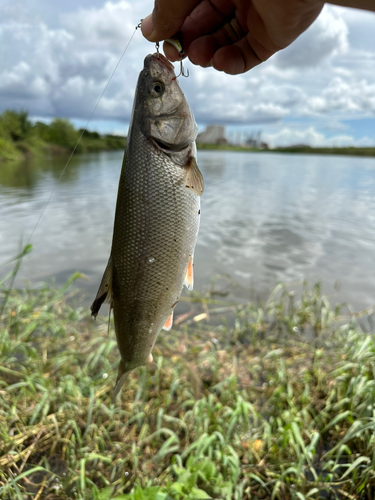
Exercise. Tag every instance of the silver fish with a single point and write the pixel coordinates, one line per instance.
(157, 216)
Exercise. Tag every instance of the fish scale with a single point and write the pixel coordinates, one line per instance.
(157, 216)
(161, 223)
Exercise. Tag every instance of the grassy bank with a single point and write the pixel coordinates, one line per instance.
(351, 151)
(225, 147)
(20, 138)
(280, 406)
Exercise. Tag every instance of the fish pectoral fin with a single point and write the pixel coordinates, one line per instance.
(121, 377)
(168, 323)
(189, 277)
(194, 178)
(105, 290)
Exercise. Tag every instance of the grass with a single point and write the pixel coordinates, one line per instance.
(349, 150)
(277, 402)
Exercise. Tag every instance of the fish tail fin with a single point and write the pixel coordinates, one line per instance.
(121, 377)
(105, 290)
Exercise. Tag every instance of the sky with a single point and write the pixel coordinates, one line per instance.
(57, 57)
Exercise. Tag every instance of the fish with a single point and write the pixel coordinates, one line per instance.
(157, 217)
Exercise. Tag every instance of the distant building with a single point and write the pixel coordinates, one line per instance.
(252, 143)
(214, 134)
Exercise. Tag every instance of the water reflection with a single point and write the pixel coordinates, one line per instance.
(265, 218)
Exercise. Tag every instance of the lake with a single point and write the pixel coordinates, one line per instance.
(265, 218)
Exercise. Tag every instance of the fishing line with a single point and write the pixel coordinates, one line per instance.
(83, 131)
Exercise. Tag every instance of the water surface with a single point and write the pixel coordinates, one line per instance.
(265, 218)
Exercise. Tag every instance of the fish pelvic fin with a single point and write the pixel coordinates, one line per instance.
(122, 375)
(105, 290)
(151, 363)
(194, 178)
(189, 277)
(168, 324)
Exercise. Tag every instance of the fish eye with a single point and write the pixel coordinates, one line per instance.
(145, 73)
(156, 89)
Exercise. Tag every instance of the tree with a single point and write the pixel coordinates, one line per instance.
(17, 124)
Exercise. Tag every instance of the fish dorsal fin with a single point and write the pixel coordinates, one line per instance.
(194, 178)
(168, 324)
(105, 290)
(189, 277)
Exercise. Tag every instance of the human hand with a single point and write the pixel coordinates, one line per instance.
(231, 35)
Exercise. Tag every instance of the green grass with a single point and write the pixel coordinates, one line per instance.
(226, 147)
(351, 151)
(277, 402)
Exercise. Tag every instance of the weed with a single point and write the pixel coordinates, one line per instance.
(282, 406)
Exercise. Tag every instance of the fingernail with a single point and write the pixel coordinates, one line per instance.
(147, 26)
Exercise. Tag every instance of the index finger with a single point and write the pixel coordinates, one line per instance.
(166, 19)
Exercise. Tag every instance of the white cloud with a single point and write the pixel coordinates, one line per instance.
(59, 59)
(344, 96)
(103, 28)
(324, 39)
(65, 69)
(310, 136)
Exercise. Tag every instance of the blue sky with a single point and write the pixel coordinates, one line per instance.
(56, 58)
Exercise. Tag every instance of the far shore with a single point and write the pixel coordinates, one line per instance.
(21, 139)
(351, 151)
(104, 144)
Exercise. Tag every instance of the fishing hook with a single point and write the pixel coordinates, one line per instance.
(176, 42)
(182, 71)
(157, 45)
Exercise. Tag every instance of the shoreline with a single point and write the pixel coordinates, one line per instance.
(25, 152)
(278, 405)
(349, 151)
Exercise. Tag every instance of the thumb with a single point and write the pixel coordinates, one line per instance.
(166, 19)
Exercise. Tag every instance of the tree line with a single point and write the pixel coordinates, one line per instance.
(21, 137)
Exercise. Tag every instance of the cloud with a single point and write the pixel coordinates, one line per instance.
(62, 71)
(310, 136)
(244, 99)
(59, 59)
(103, 28)
(325, 38)
(345, 97)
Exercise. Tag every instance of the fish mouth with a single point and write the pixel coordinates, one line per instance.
(163, 61)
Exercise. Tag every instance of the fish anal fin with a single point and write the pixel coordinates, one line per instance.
(168, 324)
(194, 178)
(189, 277)
(105, 291)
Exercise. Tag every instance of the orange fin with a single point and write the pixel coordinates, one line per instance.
(189, 278)
(168, 323)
